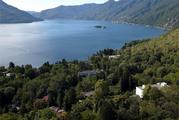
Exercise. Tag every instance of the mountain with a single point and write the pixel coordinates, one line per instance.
(70, 12)
(152, 12)
(10, 14)
(32, 12)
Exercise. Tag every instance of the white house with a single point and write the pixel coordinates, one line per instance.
(87, 73)
(160, 85)
(88, 94)
(9, 74)
(114, 57)
(140, 89)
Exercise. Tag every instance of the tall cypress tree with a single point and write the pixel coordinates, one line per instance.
(124, 84)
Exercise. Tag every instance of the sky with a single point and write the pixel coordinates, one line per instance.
(38, 5)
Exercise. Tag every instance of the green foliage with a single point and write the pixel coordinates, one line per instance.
(69, 99)
(11, 65)
(88, 115)
(101, 89)
(106, 112)
(152, 93)
(39, 104)
(44, 114)
(10, 116)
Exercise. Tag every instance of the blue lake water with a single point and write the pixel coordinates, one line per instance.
(52, 40)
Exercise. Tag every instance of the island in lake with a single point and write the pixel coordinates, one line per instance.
(100, 27)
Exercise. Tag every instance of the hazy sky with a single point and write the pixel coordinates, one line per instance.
(38, 5)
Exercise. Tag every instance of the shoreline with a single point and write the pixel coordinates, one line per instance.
(146, 25)
(112, 21)
(119, 47)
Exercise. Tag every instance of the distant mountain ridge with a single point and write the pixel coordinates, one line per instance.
(10, 14)
(163, 13)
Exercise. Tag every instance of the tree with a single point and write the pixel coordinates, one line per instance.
(88, 115)
(11, 65)
(171, 110)
(75, 116)
(46, 67)
(31, 73)
(60, 99)
(42, 91)
(9, 116)
(39, 104)
(152, 93)
(18, 69)
(101, 89)
(149, 111)
(2, 100)
(69, 99)
(51, 98)
(9, 93)
(46, 114)
(125, 80)
(2, 69)
(106, 112)
(162, 71)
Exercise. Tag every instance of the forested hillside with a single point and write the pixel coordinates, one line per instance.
(90, 90)
(151, 12)
(158, 55)
(10, 14)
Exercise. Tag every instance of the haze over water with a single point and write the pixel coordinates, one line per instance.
(52, 40)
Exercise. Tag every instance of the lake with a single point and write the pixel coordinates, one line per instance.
(52, 40)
